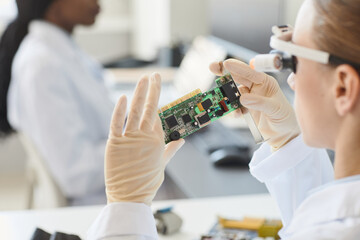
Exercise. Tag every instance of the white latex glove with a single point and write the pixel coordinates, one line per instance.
(136, 158)
(261, 94)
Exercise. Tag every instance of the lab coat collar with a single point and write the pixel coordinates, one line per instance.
(54, 35)
(334, 203)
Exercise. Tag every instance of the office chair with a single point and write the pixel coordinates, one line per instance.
(44, 191)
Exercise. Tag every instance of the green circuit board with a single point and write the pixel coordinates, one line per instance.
(196, 110)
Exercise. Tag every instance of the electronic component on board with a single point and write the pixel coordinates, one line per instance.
(223, 106)
(171, 121)
(219, 113)
(203, 119)
(174, 136)
(186, 118)
(230, 91)
(206, 104)
(200, 107)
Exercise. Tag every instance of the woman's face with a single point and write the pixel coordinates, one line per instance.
(312, 82)
(75, 12)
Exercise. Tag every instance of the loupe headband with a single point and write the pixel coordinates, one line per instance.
(281, 41)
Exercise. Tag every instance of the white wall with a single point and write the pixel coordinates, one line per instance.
(160, 23)
(109, 38)
(291, 9)
(189, 19)
(150, 27)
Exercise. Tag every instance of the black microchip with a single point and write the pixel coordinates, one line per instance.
(206, 104)
(219, 113)
(203, 119)
(230, 90)
(186, 118)
(171, 121)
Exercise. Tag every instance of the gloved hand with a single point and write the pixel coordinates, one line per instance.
(261, 94)
(135, 159)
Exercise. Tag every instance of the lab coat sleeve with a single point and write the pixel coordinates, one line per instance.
(290, 173)
(124, 221)
(55, 122)
(333, 230)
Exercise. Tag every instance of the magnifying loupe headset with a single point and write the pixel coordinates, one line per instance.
(285, 53)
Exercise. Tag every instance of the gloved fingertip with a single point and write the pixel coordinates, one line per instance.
(156, 77)
(120, 105)
(234, 65)
(143, 78)
(171, 148)
(143, 82)
(232, 61)
(243, 90)
(181, 142)
(217, 68)
(176, 145)
(124, 98)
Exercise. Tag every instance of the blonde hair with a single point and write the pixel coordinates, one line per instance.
(337, 28)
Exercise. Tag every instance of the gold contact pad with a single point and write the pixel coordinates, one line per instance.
(179, 100)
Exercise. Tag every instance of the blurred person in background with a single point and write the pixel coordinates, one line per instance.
(53, 93)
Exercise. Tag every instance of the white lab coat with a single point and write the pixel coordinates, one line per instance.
(57, 97)
(300, 178)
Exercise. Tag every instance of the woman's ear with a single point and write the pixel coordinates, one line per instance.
(347, 88)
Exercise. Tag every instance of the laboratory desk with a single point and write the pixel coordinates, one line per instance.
(198, 215)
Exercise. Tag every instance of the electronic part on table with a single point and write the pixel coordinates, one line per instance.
(196, 110)
(248, 228)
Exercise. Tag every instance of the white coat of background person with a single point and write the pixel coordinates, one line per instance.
(58, 99)
(313, 204)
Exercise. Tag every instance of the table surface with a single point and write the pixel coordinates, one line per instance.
(198, 215)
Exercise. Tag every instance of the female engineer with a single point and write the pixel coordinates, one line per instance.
(293, 165)
(53, 93)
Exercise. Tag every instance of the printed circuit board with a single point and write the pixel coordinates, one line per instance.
(196, 110)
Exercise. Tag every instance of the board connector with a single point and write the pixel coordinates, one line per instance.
(180, 100)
